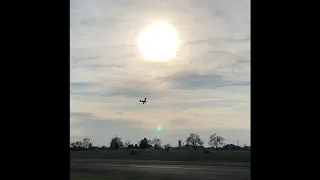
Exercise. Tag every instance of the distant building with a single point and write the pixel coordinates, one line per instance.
(231, 146)
(189, 147)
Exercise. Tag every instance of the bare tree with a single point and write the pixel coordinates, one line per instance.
(79, 144)
(116, 142)
(156, 143)
(194, 140)
(127, 143)
(216, 141)
(167, 147)
(86, 142)
(72, 144)
(145, 143)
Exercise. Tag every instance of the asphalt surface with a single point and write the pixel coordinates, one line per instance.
(185, 172)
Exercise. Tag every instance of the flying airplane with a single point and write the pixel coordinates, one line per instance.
(144, 101)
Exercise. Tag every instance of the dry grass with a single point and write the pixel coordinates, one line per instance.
(162, 155)
(158, 162)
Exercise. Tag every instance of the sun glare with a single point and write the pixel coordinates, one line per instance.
(158, 42)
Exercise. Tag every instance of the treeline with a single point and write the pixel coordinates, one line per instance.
(192, 140)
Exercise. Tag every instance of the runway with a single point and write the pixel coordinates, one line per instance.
(173, 171)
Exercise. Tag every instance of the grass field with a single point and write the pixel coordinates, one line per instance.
(159, 162)
(162, 155)
(156, 172)
(228, 159)
(121, 175)
(113, 176)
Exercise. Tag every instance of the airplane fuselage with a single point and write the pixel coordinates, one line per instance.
(144, 101)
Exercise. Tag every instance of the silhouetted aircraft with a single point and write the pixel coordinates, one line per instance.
(144, 101)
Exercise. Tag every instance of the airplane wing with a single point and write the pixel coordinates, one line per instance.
(145, 98)
(143, 102)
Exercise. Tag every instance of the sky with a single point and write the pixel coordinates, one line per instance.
(205, 89)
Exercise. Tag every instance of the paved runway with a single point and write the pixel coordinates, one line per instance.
(180, 171)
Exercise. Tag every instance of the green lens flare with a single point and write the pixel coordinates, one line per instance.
(159, 128)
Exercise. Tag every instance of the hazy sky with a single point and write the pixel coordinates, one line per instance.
(204, 90)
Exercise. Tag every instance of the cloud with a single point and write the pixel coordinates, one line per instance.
(191, 80)
(178, 122)
(206, 87)
(220, 41)
(101, 130)
(129, 93)
(81, 85)
(86, 124)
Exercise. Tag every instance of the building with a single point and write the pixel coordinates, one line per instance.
(230, 146)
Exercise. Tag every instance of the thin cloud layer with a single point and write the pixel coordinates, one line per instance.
(205, 89)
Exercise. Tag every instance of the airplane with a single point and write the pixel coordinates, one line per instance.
(144, 101)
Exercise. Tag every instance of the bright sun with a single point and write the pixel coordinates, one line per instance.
(158, 42)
